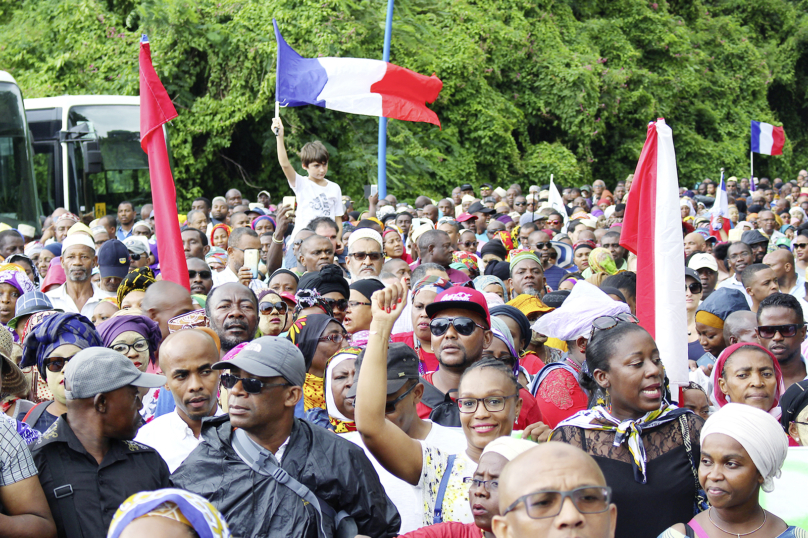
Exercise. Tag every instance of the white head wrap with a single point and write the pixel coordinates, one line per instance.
(686, 201)
(573, 319)
(330, 403)
(508, 447)
(757, 431)
(77, 239)
(364, 233)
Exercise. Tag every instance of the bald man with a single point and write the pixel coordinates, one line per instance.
(165, 300)
(740, 326)
(551, 467)
(694, 242)
(782, 263)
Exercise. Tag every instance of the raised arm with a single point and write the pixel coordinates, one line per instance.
(283, 159)
(275, 252)
(394, 449)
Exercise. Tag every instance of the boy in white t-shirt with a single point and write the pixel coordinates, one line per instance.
(316, 196)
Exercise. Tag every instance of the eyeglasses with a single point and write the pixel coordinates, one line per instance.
(489, 485)
(57, 364)
(251, 386)
(390, 407)
(542, 246)
(266, 308)
(799, 245)
(336, 338)
(492, 403)
(786, 331)
(202, 274)
(339, 304)
(463, 325)
(554, 222)
(604, 323)
(469, 244)
(519, 203)
(354, 304)
(694, 287)
(542, 504)
(139, 346)
(360, 256)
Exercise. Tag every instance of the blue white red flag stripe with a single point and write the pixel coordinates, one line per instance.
(720, 209)
(652, 229)
(767, 139)
(354, 85)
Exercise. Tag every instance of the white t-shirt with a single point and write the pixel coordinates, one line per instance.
(406, 497)
(315, 201)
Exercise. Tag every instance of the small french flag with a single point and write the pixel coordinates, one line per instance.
(767, 139)
(354, 85)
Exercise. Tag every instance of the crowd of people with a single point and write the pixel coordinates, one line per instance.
(455, 368)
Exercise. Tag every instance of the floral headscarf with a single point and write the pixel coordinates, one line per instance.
(11, 273)
(507, 240)
(467, 259)
(601, 261)
(216, 254)
(136, 280)
(223, 226)
(54, 331)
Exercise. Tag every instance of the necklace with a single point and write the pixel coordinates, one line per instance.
(710, 516)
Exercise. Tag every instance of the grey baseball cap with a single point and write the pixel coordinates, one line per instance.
(269, 356)
(96, 370)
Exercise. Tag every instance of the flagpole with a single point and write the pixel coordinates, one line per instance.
(751, 170)
(381, 174)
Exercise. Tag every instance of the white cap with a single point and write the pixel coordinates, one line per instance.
(77, 239)
(365, 233)
(703, 260)
(26, 229)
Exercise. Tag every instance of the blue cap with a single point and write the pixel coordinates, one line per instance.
(724, 301)
(113, 259)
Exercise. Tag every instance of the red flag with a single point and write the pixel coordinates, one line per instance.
(156, 109)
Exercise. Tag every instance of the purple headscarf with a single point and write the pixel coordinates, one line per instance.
(114, 326)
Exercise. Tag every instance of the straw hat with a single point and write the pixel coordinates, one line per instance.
(14, 381)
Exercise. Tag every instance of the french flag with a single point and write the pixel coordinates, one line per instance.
(767, 139)
(720, 209)
(652, 229)
(354, 85)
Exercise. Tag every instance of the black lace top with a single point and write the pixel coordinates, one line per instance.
(668, 496)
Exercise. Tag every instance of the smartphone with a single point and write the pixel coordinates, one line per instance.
(290, 201)
(370, 190)
(252, 256)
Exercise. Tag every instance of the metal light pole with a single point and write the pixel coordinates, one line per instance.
(382, 171)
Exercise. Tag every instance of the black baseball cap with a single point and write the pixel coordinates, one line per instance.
(402, 365)
(486, 186)
(466, 187)
(477, 207)
(113, 259)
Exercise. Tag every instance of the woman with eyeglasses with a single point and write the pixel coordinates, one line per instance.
(318, 337)
(743, 450)
(273, 314)
(357, 315)
(50, 345)
(488, 402)
(693, 291)
(647, 449)
(332, 286)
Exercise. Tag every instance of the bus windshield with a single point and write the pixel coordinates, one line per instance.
(18, 199)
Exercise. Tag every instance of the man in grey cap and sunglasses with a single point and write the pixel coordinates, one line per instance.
(284, 476)
(88, 464)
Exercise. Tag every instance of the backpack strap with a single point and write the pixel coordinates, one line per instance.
(65, 498)
(444, 482)
(33, 414)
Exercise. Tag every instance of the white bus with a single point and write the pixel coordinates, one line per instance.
(18, 194)
(87, 152)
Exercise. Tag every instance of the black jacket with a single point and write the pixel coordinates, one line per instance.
(256, 506)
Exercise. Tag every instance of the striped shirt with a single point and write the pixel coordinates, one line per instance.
(16, 463)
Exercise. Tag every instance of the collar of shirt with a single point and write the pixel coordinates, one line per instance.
(118, 450)
(98, 293)
(180, 427)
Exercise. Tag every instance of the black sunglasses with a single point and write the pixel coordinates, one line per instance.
(390, 407)
(360, 256)
(202, 274)
(542, 246)
(134, 256)
(252, 386)
(57, 364)
(338, 304)
(786, 331)
(267, 307)
(604, 323)
(694, 287)
(463, 325)
(469, 243)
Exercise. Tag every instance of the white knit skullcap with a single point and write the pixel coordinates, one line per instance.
(364, 233)
(77, 239)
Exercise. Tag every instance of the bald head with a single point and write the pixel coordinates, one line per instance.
(782, 263)
(186, 358)
(556, 467)
(165, 300)
(694, 242)
(740, 327)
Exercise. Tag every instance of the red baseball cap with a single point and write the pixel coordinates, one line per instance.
(465, 216)
(460, 297)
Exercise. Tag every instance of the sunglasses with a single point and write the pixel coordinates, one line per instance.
(517, 204)
(390, 407)
(800, 245)
(251, 386)
(786, 331)
(554, 222)
(694, 287)
(267, 308)
(463, 325)
(354, 304)
(134, 257)
(604, 323)
(469, 244)
(57, 364)
(542, 246)
(338, 304)
(360, 256)
(202, 274)
(336, 338)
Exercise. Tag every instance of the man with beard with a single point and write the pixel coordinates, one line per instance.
(461, 330)
(739, 255)
(218, 213)
(758, 242)
(527, 275)
(186, 359)
(200, 276)
(78, 294)
(781, 330)
(165, 300)
(233, 312)
(241, 241)
(88, 463)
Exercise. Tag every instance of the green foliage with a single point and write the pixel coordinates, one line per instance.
(531, 88)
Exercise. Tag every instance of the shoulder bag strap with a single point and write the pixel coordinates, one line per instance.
(64, 494)
(701, 498)
(33, 414)
(444, 482)
(689, 531)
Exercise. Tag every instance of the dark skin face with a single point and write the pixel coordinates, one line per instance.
(13, 245)
(126, 214)
(759, 251)
(527, 276)
(612, 244)
(440, 251)
(554, 222)
(203, 279)
(484, 503)
(711, 339)
(234, 315)
(727, 473)
(739, 255)
(8, 302)
(343, 377)
(186, 361)
(283, 282)
(708, 279)
(316, 252)
(405, 413)
(468, 242)
(404, 221)
(192, 244)
(785, 350)
(257, 413)
(456, 351)
(749, 378)
(767, 222)
(119, 409)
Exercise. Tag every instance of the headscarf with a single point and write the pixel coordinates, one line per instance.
(136, 280)
(507, 240)
(326, 280)
(518, 256)
(759, 434)
(430, 283)
(601, 261)
(794, 400)
(114, 326)
(54, 331)
(720, 304)
(340, 422)
(308, 298)
(305, 333)
(469, 260)
(256, 221)
(285, 272)
(222, 226)
(189, 320)
(516, 315)
(501, 332)
(33, 248)
(508, 447)
(482, 282)
(188, 508)
(13, 259)
(501, 270)
(54, 248)
(721, 398)
(529, 304)
(496, 248)
(56, 275)
(218, 254)
(367, 286)
(11, 273)
(685, 201)
(573, 319)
